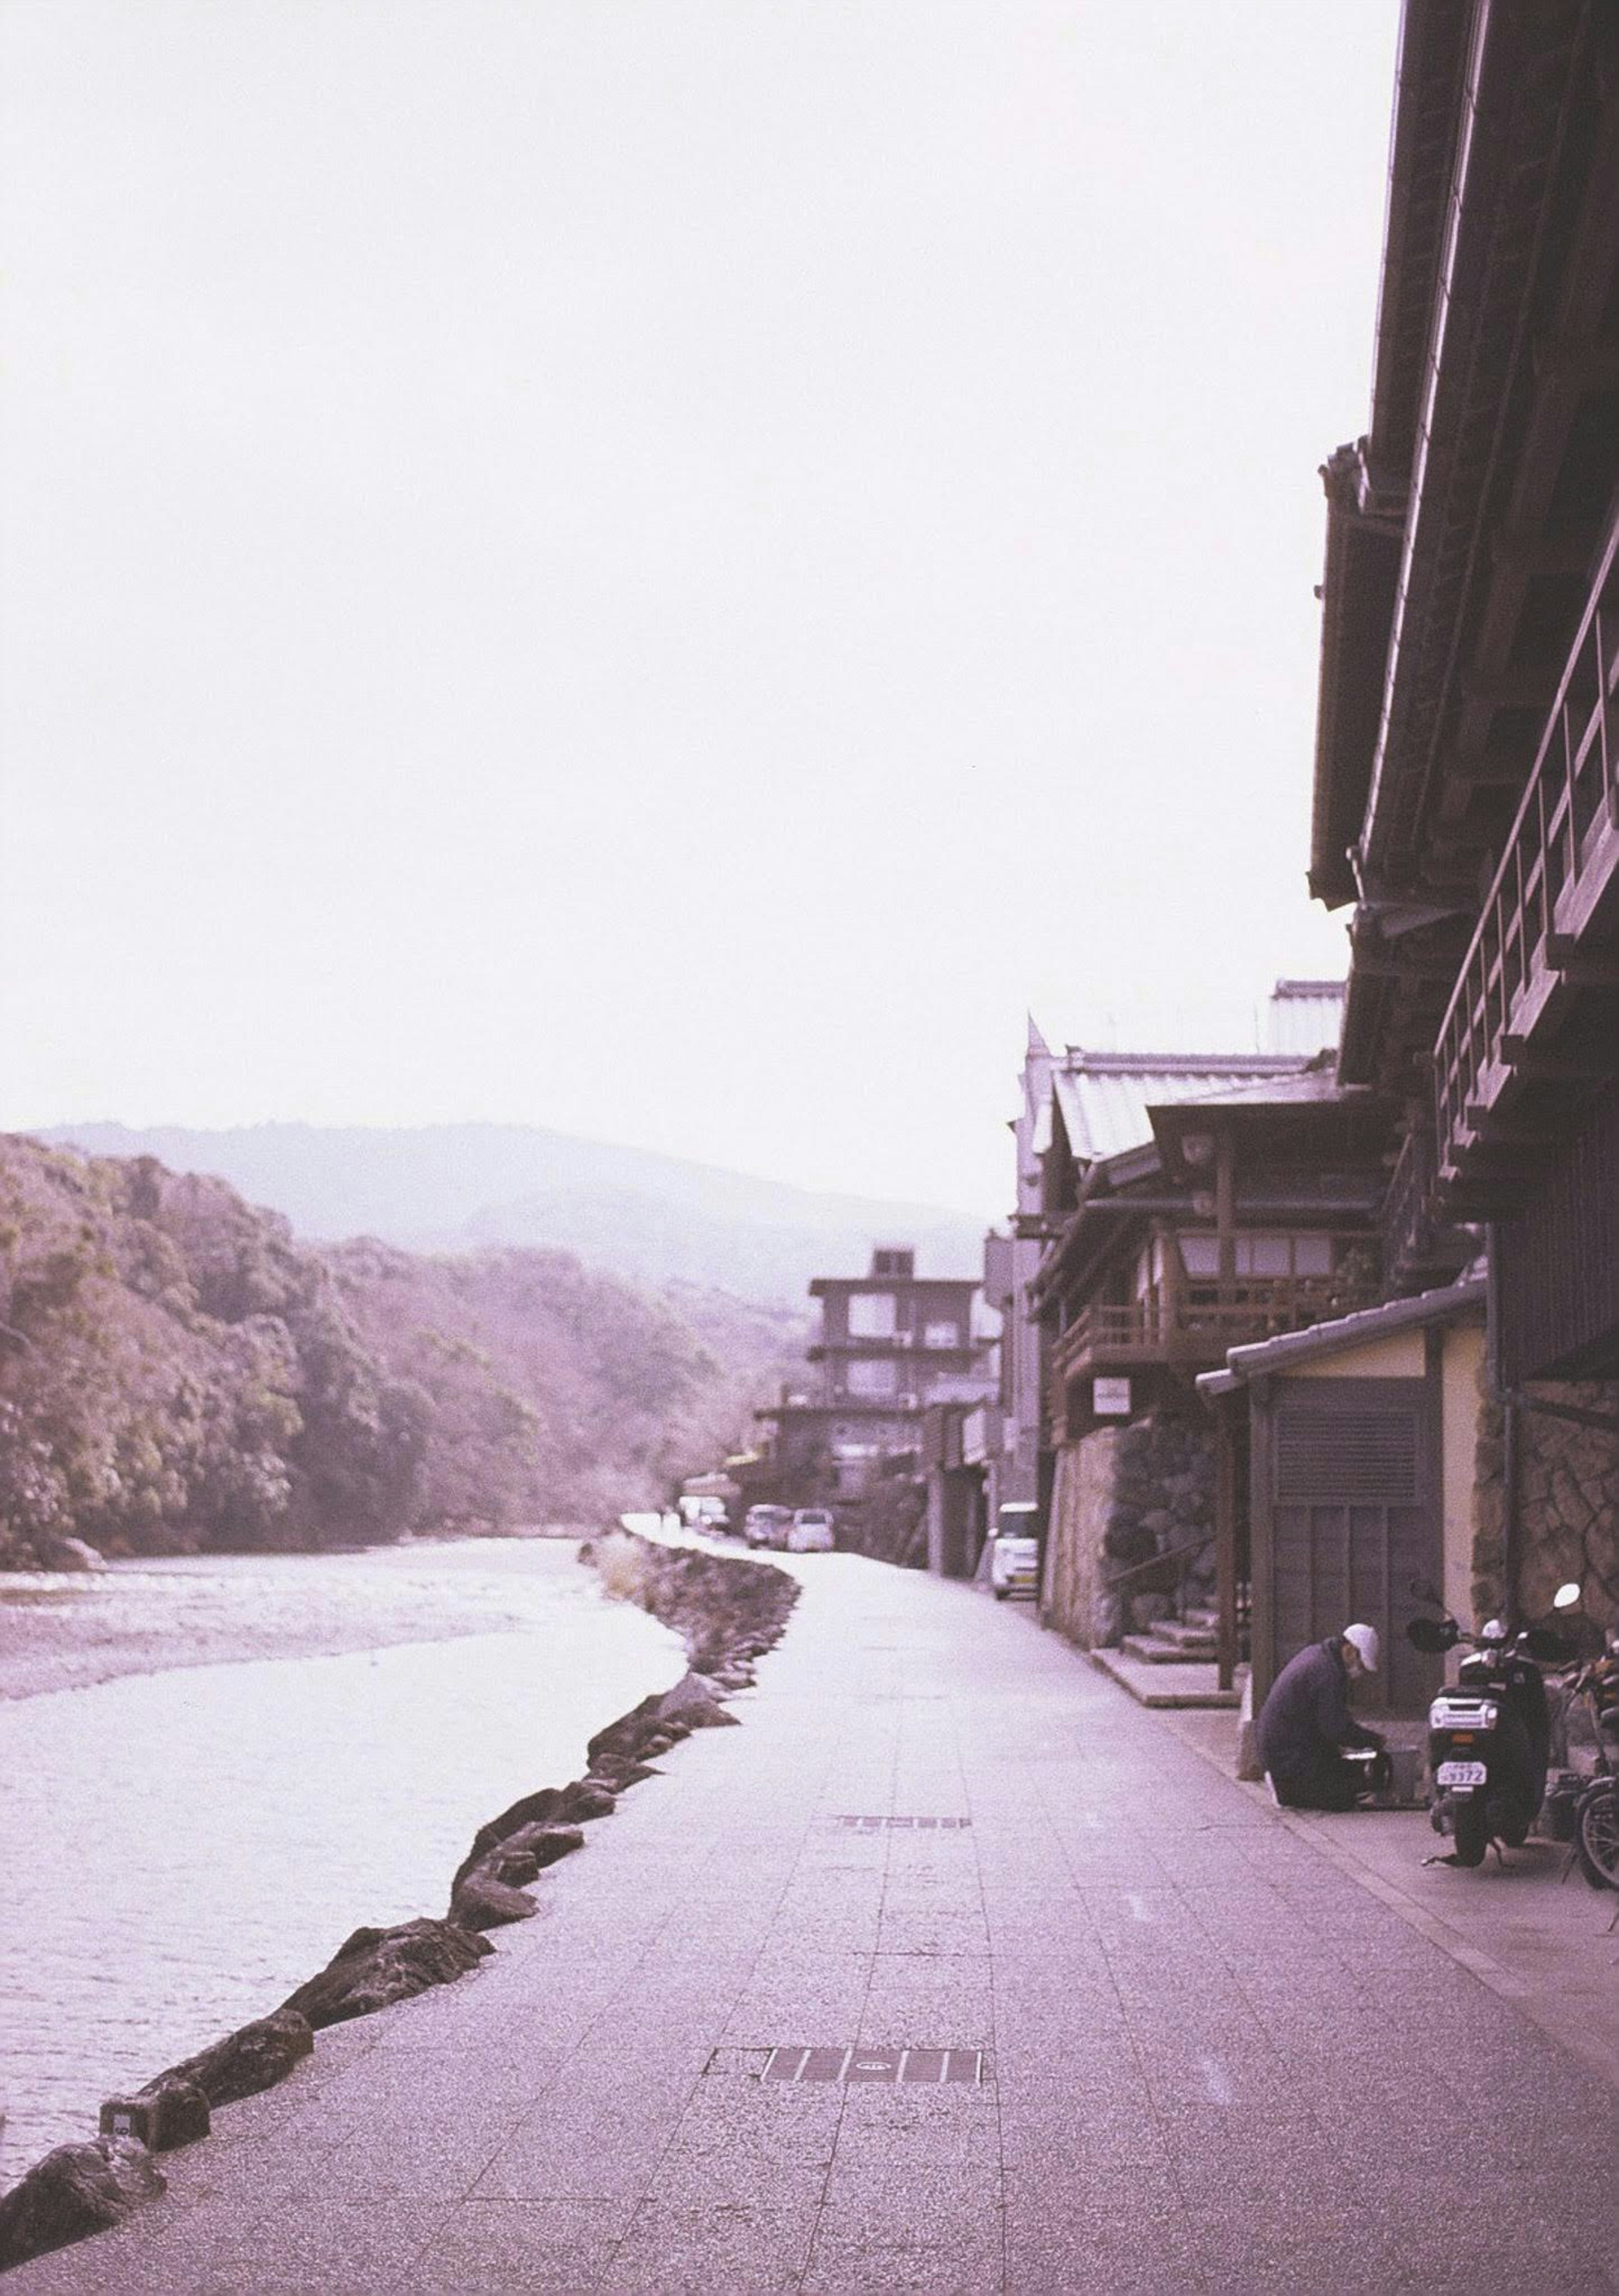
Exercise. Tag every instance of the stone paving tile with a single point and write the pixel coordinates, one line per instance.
(545, 2248)
(739, 2246)
(1071, 2240)
(290, 2251)
(597, 2139)
(795, 2124)
(442, 2154)
(912, 2125)
(944, 1931)
(970, 2263)
(908, 2202)
(687, 2179)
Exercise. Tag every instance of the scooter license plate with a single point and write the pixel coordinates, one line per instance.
(1460, 1774)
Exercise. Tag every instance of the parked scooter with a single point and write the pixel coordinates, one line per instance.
(1490, 1738)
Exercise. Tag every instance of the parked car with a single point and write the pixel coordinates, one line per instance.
(1014, 1552)
(810, 1532)
(766, 1526)
(706, 1514)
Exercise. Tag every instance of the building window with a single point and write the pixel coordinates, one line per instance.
(1200, 1255)
(871, 1314)
(1259, 1255)
(872, 1375)
(941, 1335)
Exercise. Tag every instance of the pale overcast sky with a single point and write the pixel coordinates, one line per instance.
(665, 568)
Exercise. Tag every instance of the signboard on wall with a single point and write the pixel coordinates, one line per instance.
(1110, 1398)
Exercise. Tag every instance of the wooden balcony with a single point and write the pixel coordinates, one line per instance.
(1538, 987)
(1193, 1333)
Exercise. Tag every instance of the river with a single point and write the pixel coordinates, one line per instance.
(185, 1845)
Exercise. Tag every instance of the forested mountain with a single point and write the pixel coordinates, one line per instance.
(178, 1371)
(655, 1219)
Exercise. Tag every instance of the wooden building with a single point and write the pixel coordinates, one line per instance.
(1467, 774)
(1241, 1203)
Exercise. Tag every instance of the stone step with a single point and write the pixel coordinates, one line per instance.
(1189, 1634)
(1157, 1650)
(1157, 1685)
(1206, 1621)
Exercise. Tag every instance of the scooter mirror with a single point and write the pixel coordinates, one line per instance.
(1566, 1596)
(1432, 1636)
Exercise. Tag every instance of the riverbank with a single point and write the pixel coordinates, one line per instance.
(725, 1613)
(69, 1630)
(186, 1843)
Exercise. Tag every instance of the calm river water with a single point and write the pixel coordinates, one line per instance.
(184, 1847)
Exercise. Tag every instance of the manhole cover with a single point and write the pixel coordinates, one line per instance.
(928, 2067)
(901, 1825)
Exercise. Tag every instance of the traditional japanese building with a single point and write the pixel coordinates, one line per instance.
(1466, 772)
(1187, 1202)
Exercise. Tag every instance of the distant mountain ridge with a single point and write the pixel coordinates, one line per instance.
(455, 1187)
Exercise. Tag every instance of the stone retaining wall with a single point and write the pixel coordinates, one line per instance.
(1122, 1495)
(1568, 1504)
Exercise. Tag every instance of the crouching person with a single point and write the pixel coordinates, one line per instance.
(1305, 1724)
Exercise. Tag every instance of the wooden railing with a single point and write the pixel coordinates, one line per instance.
(1199, 1331)
(1559, 863)
(1408, 1223)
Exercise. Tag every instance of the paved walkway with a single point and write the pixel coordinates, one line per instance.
(1212, 2062)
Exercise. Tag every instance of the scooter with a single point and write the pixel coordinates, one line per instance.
(1490, 1738)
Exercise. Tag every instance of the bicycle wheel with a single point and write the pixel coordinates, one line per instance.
(1597, 1821)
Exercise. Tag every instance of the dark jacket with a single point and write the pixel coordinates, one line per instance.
(1307, 1713)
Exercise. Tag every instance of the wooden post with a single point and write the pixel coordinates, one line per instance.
(1262, 1551)
(1173, 1305)
(1225, 1530)
(1225, 1207)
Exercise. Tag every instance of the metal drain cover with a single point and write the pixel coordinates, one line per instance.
(928, 2067)
(860, 1825)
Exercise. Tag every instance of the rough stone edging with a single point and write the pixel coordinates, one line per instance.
(728, 1611)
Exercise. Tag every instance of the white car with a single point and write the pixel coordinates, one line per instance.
(812, 1532)
(1014, 1552)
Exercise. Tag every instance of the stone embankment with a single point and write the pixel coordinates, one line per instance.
(728, 1611)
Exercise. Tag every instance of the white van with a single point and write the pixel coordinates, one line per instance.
(812, 1532)
(1014, 1552)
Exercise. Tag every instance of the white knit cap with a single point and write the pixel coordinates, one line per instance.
(1365, 1641)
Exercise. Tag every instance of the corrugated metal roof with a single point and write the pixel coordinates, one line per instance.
(1306, 1016)
(1302, 1087)
(1103, 1097)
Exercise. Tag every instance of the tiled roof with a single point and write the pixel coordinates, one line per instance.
(1103, 1097)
